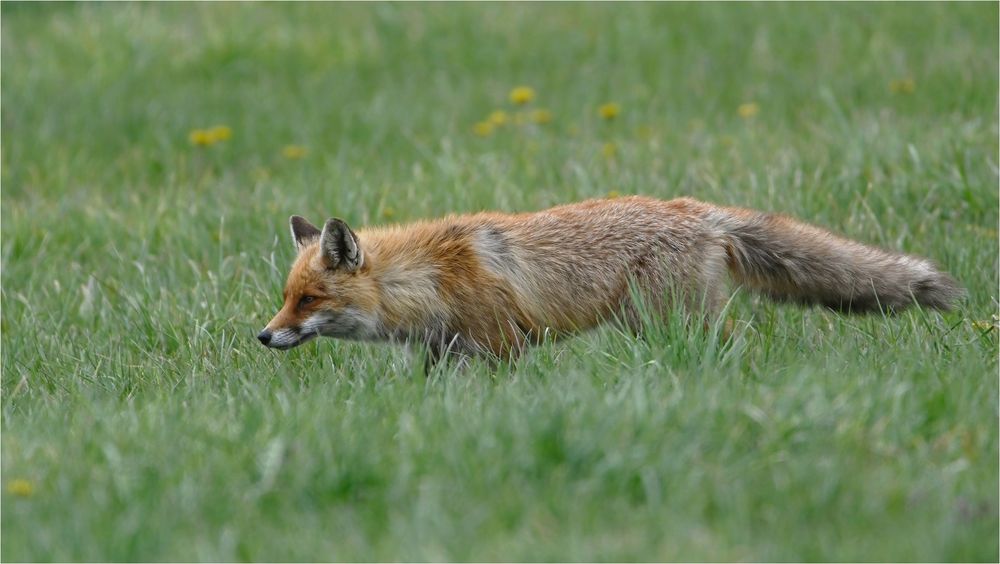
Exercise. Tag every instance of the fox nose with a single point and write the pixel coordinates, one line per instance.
(264, 337)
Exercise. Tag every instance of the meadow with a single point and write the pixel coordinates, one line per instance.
(152, 154)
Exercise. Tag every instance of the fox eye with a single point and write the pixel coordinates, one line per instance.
(306, 300)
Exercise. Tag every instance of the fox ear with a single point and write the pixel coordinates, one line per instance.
(340, 245)
(303, 232)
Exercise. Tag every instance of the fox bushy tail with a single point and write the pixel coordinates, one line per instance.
(792, 261)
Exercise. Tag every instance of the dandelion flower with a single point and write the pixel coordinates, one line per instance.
(200, 137)
(294, 152)
(522, 95)
(541, 116)
(987, 324)
(984, 232)
(902, 86)
(220, 133)
(211, 136)
(609, 150)
(483, 129)
(388, 212)
(748, 109)
(612, 194)
(260, 174)
(498, 118)
(20, 487)
(609, 111)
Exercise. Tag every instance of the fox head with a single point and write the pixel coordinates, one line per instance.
(329, 291)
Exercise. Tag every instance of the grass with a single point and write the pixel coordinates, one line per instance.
(142, 421)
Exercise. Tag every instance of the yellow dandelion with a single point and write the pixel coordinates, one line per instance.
(609, 150)
(987, 325)
(902, 86)
(388, 212)
(498, 118)
(200, 137)
(20, 487)
(983, 231)
(220, 133)
(609, 111)
(541, 116)
(294, 152)
(522, 95)
(748, 110)
(612, 194)
(483, 129)
(260, 174)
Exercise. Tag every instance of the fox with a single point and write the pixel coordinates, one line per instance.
(491, 284)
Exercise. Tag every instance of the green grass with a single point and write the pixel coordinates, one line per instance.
(136, 269)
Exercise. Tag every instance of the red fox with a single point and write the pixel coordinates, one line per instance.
(490, 283)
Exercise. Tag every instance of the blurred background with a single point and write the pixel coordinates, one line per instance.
(378, 104)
